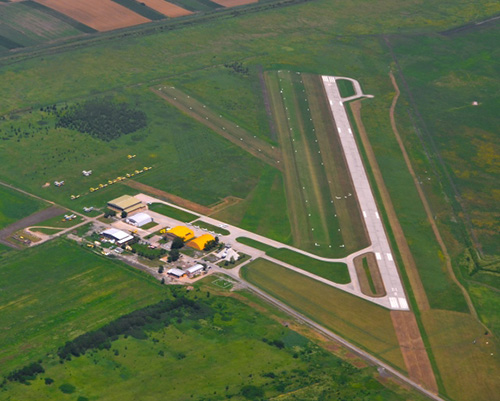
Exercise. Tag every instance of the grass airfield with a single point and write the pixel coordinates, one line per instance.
(277, 40)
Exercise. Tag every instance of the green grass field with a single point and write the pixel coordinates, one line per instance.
(359, 321)
(336, 272)
(57, 291)
(221, 348)
(187, 159)
(173, 212)
(14, 206)
(60, 221)
(264, 210)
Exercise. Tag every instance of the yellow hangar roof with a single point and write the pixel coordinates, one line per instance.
(200, 242)
(124, 202)
(182, 232)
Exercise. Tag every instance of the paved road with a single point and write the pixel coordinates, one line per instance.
(375, 228)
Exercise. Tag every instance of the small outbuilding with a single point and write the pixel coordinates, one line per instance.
(195, 270)
(139, 219)
(175, 272)
(119, 236)
(200, 242)
(182, 232)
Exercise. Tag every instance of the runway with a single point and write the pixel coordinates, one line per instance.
(380, 245)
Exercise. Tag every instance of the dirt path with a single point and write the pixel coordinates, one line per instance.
(412, 347)
(404, 249)
(169, 197)
(427, 208)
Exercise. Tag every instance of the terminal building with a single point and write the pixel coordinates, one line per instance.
(126, 203)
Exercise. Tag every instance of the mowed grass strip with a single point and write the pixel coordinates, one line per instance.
(362, 323)
(57, 291)
(173, 212)
(210, 227)
(315, 224)
(220, 124)
(14, 206)
(336, 272)
(337, 172)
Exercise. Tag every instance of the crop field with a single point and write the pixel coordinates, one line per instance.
(28, 26)
(221, 349)
(141, 8)
(57, 291)
(169, 9)
(102, 15)
(359, 321)
(323, 210)
(172, 212)
(15, 205)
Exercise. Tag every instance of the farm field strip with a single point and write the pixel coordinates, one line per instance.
(221, 125)
(164, 7)
(102, 15)
(375, 228)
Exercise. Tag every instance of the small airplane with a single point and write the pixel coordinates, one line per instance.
(58, 183)
(86, 173)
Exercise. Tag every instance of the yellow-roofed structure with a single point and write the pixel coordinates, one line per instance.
(126, 204)
(182, 232)
(200, 242)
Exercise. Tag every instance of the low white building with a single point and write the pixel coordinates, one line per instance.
(195, 270)
(139, 219)
(119, 236)
(227, 254)
(176, 272)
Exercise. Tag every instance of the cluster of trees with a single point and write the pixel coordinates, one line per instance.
(102, 119)
(109, 213)
(174, 254)
(146, 252)
(135, 324)
(211, 244)
(237, 67)
(26, 373)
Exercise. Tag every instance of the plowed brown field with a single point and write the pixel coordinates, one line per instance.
(102, 15)
(234, 3)
(166, 8)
